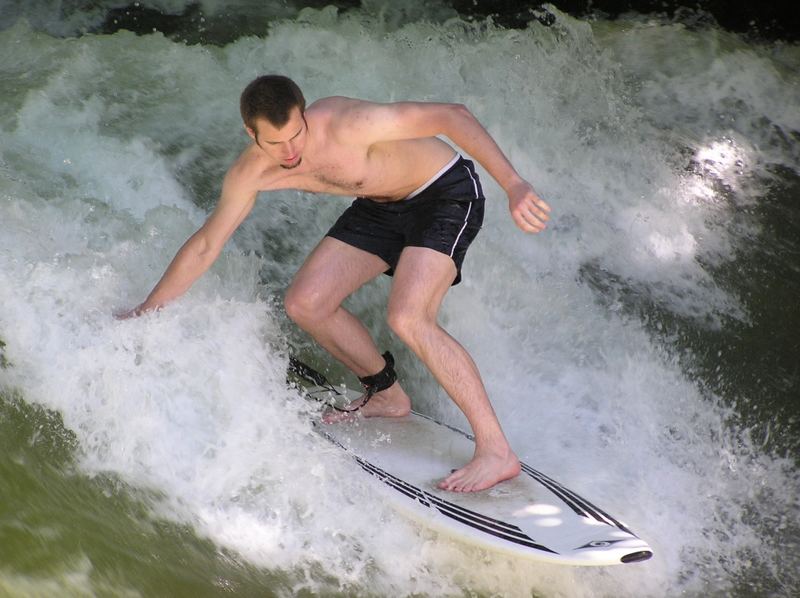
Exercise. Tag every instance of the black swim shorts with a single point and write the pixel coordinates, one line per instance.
(445, 215)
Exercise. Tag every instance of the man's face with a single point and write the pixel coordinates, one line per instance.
(285, 144)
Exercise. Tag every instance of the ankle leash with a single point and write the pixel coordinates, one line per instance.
(372, 384)
(376, 383)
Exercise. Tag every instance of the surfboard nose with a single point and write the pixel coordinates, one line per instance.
(636, 557)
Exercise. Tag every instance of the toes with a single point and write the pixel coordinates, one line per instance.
(331, 416)
(448, 483)
(457, 481)
(463, 481)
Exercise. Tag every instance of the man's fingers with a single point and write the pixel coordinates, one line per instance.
(530, 212)
(537, 213)
(131, 313)
(534, 215)
(542, 204)
(529, 223)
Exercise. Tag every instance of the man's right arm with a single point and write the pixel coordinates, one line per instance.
(203, 247)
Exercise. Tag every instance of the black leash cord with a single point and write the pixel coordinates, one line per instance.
(372, 384)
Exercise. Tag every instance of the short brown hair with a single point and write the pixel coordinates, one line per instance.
(271, 97)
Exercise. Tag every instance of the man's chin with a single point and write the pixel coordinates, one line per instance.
(290, 166)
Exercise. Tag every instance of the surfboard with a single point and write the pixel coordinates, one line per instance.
(531, 516)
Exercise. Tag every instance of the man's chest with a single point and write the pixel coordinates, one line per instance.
(339, 171)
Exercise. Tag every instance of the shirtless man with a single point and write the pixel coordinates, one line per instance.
(419, 206)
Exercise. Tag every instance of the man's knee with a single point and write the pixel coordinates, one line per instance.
(305, 306)
(406, 322)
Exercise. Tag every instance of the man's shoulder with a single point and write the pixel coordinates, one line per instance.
(333, 103)
(334, 109)
(246, 173)
(341, 117)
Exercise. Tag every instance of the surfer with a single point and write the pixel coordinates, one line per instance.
(419, 205)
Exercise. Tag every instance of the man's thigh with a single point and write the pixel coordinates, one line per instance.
(335, 270)
(422, 278)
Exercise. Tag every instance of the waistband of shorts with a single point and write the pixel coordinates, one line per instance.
(442, 171)
(429, 189)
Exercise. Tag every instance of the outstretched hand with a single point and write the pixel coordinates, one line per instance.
(132, 313)
(528, 210)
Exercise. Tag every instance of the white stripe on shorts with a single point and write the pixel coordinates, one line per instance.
(466, 219)
(469, 211)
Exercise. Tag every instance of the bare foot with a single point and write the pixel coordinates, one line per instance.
(484, 471)
(392, 402)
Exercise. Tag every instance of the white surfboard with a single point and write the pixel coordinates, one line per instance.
(531, 516)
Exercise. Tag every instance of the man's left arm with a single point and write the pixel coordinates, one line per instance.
(529, 211)
(405, 120)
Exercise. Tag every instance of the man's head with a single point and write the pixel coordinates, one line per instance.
(272, 109)
(272, 98)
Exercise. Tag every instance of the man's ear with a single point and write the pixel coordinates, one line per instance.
(251, 133)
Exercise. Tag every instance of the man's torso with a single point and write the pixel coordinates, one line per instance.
(338, 165)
